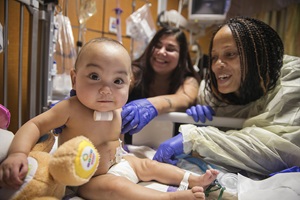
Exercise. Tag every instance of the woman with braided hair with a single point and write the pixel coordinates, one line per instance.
(249, 77)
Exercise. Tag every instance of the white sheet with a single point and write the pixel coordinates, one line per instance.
(279, 186)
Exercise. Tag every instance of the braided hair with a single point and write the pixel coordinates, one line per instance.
(261, 57)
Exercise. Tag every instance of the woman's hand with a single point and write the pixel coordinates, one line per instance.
(201, 112)
(137, 114)
(169, 149)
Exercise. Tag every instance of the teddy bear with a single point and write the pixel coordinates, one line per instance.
(71, 164)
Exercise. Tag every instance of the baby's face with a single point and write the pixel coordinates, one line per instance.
(102, 77)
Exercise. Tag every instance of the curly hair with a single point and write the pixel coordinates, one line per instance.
(261, 57)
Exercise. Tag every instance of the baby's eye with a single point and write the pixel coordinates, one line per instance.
(94, 76)
(119, 81)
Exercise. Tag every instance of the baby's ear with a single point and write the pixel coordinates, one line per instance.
(73, 78)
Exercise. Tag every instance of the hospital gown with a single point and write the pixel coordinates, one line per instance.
(270, 138)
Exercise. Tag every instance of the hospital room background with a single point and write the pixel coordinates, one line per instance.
(40, 39)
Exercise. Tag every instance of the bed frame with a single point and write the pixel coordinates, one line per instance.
(166, 126)
(40, 55)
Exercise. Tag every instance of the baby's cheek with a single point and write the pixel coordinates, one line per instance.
(122, 98)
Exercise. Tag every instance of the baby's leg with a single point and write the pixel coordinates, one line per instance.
(110, 186)
(148, 170)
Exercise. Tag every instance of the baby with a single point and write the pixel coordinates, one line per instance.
(101, 80)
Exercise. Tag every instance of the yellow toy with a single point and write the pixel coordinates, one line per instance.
(72, 164)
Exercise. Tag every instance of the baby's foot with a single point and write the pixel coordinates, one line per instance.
(204, 180)
(209, 176)
(193, 194)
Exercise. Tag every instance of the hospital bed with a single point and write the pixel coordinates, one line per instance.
(144, 143)
(40, 60)
(163, 127)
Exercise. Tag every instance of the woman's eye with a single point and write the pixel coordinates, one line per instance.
(119, 81)
(158, 46)
(94, 77)
(231, 54)
(214, 59)
(171, 49)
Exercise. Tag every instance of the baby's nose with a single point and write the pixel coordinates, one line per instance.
(105, 90)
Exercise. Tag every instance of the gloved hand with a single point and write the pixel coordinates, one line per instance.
(169, 149)
(137, 114)
(201, 112)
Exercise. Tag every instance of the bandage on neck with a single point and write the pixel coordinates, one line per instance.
(103, 116)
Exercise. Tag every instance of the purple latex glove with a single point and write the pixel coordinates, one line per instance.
(201, 112)
(137, 114)
(168, 150)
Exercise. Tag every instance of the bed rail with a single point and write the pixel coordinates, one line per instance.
(183, 118)
(39, 53)
(164, 127)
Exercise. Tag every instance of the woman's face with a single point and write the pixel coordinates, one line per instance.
(165, 56)
(226, 62)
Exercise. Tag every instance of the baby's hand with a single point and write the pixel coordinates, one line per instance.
(13, 170)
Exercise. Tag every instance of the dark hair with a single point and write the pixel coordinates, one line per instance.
(261, 57)
(144, 73)
(98, 40)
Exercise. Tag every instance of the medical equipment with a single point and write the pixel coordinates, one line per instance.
(208, 11)
(84, 9)
(64, 58)
(103, 116)
(228, 181)
(184, 184)
(141, 29)
(118, 12)
(201, 14)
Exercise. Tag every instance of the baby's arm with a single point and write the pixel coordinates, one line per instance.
(14, 168)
